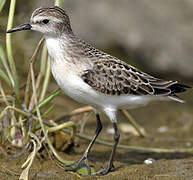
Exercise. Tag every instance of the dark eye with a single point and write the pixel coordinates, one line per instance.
(45, 21)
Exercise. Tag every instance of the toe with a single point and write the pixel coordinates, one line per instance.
(101, 172)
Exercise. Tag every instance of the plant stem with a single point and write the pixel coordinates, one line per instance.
(9, 50)
(61, 126)
(5, 78)
(40, 118)
(46, 80)
(28, 84)
(3, 95)
(137, 127)
(135, 148)
(48, 99)
(44, 57)
(59, 3)
(74, 112)
(3, 60)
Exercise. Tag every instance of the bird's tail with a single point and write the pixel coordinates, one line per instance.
(177, 88)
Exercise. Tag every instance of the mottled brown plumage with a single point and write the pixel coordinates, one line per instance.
(114, 77)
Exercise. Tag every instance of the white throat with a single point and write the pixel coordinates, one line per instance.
(53, 45)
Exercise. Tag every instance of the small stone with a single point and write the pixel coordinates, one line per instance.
(149, 161)
(127, 128)
(163, 129)
(188, 144)
(17, 142)
(110, 131)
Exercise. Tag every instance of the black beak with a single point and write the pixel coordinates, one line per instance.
(25, 26)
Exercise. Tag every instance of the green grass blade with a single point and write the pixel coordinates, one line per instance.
(4, 97)
(59, 3)
(48, 99)
(3, 60)
(84, 171)
(2, 3)
(5, 77)
(46, 80)
(47, 111)
(9, 49)
(43, 61)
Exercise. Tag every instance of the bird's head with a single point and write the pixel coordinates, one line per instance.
(49, 21)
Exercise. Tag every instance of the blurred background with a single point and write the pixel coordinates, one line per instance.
(155, 36)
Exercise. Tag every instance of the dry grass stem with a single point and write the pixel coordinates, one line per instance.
(138, 128)
(74, 112)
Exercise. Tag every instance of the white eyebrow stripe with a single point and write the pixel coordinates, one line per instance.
(37, 19)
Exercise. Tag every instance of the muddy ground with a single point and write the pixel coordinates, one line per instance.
(168, 125)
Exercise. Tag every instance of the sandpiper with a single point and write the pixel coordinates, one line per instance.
(93, 77)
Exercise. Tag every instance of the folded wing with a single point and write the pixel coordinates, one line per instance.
(114, 77)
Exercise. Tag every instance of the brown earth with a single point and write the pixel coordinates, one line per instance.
(177, 120)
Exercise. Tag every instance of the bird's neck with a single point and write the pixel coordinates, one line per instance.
(58, 46)
(53, 45)
(67, 50)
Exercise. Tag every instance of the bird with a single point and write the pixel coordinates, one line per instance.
(93, 77)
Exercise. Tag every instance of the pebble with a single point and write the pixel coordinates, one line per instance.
(149, 161)
(188, 144)
(110, 131)
(127, 128)
(163, 129)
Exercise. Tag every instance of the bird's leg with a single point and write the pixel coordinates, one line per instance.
(84, 159)
(110, 163)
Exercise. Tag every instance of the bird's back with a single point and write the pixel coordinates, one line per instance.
(113, 77)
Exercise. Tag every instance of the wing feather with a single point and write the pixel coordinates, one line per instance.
(115, 77)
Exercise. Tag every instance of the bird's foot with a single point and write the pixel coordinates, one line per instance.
(80, 163)
(103, 171)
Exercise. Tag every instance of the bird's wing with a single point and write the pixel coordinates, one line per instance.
(115, 77)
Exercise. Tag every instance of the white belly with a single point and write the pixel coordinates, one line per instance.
(77, 89)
